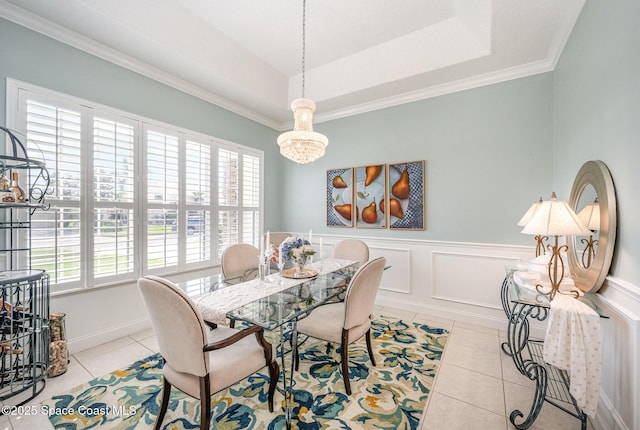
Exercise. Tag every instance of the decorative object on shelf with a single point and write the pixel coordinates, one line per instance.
(406, 198)
(36, 172)
(7, 196)
(525, 220)
(340, 207)
(298, 251)
(370, 193)
(21, 196)
(58, 350)
(555, 218)
(590, 216)
(302, 144)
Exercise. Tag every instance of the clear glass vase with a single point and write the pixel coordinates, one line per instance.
(299, 265)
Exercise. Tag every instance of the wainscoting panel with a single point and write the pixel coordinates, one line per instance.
(620, 387)
(478, 284)
(396, 277)
(445, 279)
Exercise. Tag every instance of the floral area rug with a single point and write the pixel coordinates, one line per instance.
(391, 395)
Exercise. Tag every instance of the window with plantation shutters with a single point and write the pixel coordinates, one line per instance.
(113, 197)
(239, 197)
(54, 136)
(163, 185)
(130, 196)
(251, 198)
(197, 201)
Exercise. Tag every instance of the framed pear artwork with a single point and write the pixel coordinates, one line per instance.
(340, 208)
(406, 196)
(370, 192)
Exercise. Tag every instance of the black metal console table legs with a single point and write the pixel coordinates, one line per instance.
(551, 383)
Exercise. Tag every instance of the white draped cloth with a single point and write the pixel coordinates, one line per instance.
(215, 305)
(572, 343)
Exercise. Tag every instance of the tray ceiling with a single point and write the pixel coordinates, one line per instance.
(361, 55)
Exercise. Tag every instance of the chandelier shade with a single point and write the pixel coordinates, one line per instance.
(302, 144)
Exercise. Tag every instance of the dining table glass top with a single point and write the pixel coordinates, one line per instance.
(294, 302)
(270, 302)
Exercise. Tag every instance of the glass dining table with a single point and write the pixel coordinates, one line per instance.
(276, 304)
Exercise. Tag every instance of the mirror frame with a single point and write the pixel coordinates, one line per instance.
(596, 174)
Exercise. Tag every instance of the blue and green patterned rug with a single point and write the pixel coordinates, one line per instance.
(391, 395)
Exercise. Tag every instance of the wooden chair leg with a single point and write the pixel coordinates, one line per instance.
(166, 392)
(274, 369)
(373, 360)
(344, 355)
(274, 375)
(205, 403)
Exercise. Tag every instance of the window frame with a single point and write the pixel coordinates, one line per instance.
(17, 93)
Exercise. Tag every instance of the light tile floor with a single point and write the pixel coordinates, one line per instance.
(477, 386)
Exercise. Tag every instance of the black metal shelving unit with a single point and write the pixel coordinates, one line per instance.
(24, 293)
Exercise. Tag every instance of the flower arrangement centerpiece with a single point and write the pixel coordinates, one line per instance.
(297, 250)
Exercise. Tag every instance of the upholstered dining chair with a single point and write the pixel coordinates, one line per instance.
(351, 249)
(276, 238)
(239, 263)
(200, 361)
(346, 322)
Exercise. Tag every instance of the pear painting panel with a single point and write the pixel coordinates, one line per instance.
(406, 197)
(340, 208)
(370, 196)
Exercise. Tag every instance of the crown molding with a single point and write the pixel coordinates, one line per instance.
(563, 34)
(491, 78)
(71, 38)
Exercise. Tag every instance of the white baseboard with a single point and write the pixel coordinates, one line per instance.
(98, 338)
(497, 323)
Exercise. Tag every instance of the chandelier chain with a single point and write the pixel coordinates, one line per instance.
(304, 38)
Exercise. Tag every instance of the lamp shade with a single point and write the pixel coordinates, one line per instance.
(590, 216)
(555, 217)
(529, 214)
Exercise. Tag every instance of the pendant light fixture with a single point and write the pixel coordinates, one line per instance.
(302, 144)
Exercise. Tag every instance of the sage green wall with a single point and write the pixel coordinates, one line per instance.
(30, 57)
(597, 114)
(488, 154)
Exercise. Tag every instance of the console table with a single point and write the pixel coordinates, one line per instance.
(551, 383)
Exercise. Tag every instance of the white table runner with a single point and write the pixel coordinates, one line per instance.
(572, 343)
(215, 305)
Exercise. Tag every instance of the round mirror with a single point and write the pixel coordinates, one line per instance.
(593, 198)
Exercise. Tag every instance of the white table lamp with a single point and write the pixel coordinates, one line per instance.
(590, 216)
(555, 218)
(525, 220)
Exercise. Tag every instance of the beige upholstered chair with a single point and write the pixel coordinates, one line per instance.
(351, 249)
(346, 322)
(239, 263)
(277, 238)
(200, 361)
